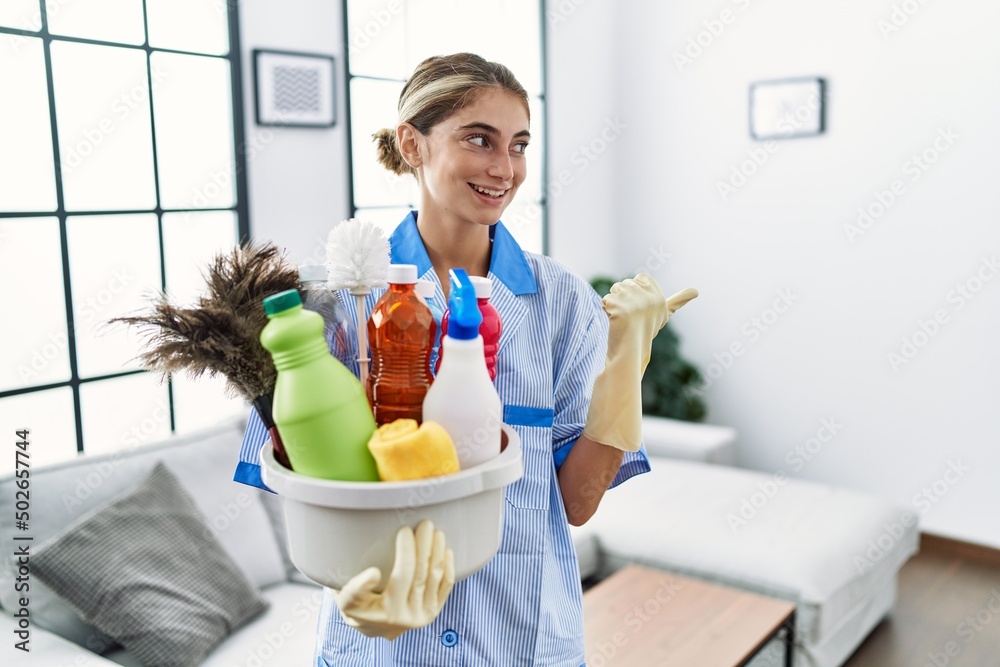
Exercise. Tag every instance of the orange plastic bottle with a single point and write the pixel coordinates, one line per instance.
(401, 333)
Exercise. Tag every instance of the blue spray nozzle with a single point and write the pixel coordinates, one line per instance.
(464, 317)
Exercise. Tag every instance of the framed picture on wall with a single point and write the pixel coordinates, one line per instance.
(294, 89)
(787, 108)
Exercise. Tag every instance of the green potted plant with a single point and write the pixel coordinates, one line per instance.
(669, 386)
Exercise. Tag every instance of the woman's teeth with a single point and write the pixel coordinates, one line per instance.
(488, 192)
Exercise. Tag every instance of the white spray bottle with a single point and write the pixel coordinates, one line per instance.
(462, 397)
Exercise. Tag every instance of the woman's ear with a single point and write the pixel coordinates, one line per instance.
(408, 140)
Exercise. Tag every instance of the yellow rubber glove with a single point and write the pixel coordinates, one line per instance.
(636, 310)
(421, 580)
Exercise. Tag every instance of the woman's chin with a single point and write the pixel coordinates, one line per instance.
(487, 218)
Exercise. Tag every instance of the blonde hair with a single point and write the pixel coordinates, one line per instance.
(439, 87)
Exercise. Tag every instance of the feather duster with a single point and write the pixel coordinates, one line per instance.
(220, 335)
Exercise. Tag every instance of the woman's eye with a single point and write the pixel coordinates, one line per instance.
(520, 147)
(479, 140)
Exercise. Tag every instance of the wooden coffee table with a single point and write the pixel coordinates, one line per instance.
(640, 616)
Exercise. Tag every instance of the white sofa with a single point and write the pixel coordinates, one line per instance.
(242, 518)
(801, 545)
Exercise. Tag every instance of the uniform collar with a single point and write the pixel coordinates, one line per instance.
(507, 260)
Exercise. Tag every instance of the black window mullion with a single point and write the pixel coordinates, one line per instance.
(348, 77)
(74, 373)
(27, 214)
(239, 130)
(158, 209)
(49, 214)
(68, 383)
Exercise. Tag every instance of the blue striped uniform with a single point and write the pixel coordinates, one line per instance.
(525, 607)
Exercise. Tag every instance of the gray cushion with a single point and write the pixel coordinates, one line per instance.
(202, 461)
(145, 570)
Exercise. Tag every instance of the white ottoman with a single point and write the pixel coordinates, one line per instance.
(835, 553)
(675, 439)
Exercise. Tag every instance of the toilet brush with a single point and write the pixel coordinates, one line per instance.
(357, 258)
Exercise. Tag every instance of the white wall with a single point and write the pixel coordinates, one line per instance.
(297, 177)
(898, 430)
(583, 105)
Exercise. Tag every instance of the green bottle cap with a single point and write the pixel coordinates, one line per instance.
(282, 301)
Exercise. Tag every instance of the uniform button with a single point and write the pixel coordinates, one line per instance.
(449, 638)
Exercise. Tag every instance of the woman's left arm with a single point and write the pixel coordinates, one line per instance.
(636, 310)
(585, 475)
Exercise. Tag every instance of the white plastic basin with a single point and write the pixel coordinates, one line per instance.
(337, 529)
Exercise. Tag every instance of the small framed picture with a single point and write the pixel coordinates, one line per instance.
(294, 89)
(787, 108)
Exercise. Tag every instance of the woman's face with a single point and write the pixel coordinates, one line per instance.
(473, 161)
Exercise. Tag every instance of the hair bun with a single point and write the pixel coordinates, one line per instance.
(388, 152)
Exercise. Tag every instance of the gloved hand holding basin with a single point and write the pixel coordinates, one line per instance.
(421, 580)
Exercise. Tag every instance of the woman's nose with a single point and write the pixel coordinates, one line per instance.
(501, 166)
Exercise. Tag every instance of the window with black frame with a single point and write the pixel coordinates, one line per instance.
(119, 177)
(386, 40)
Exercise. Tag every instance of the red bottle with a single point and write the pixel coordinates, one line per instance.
(401, 334)
(490, 328)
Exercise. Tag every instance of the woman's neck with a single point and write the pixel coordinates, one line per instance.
(453, 244)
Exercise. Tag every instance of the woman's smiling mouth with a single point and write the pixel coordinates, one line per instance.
(494, 194)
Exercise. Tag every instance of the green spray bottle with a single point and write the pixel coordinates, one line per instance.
(320, 408)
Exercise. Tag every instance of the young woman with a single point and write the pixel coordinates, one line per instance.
(463, 131)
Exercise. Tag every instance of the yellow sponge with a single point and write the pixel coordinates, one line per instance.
(402, 450)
